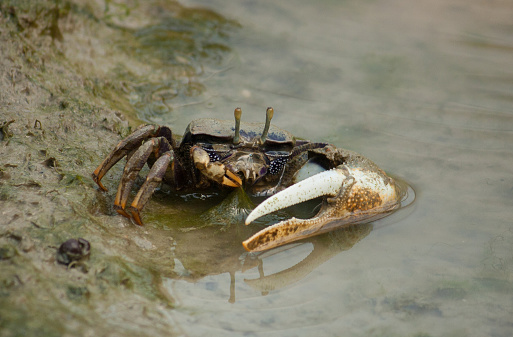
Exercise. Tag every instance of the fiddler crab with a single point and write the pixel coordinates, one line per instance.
(273, 163)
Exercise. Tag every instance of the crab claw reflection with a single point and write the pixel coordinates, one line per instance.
(323, 248)
(353, 194)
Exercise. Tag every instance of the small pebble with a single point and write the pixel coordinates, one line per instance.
(73, 250)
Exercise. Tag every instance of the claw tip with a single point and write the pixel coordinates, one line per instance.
(245, 245)
(136, 216)
(121, 211)
(97, 179)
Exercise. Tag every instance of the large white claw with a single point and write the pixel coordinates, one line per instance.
(327, 183)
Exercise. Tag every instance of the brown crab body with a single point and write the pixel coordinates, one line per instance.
(214, 153)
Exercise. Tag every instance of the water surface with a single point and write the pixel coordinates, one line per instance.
(425, 89)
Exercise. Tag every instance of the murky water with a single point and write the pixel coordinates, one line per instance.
(425, 89)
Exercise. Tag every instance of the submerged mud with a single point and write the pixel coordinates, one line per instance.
(67, 69)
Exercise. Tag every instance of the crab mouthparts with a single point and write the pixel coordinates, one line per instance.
(250, 167)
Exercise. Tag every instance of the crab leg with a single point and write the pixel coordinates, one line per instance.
(132, 169)
(124, 148)
(154, 178)
(354, 195)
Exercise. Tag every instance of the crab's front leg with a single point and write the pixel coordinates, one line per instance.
(354, 194)
(214, 171)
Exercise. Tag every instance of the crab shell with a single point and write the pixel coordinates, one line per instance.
(217, 154)
(205, 129)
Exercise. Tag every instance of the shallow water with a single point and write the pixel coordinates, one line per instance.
(425, 89)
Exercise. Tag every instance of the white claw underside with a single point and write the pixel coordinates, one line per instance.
(328, 183)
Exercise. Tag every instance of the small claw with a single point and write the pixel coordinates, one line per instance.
(233, 178)
(214, 170)
(228, 182)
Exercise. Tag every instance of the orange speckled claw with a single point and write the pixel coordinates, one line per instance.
(353, 195)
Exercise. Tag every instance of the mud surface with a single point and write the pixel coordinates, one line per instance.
(64, 80)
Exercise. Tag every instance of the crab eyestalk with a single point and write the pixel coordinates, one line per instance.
(237, 113)
(268, 116)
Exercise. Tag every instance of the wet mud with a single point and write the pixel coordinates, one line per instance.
(66, 71)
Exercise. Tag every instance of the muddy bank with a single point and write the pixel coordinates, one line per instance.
(67, 70)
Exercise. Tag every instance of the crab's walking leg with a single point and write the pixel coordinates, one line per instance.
(158, 146)
(154, 178)
(124, 147)
(132, 168)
